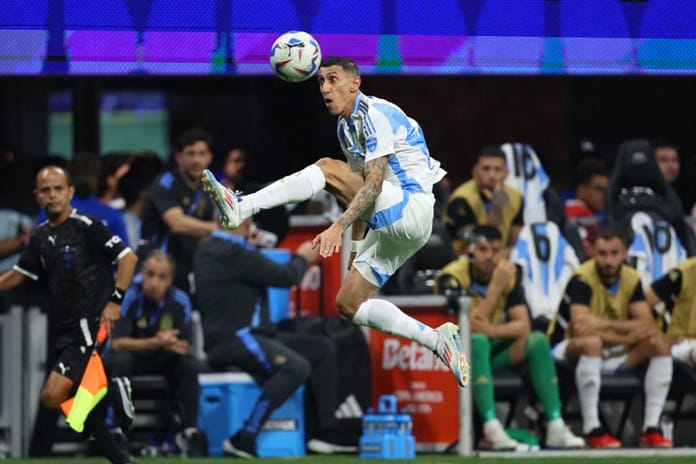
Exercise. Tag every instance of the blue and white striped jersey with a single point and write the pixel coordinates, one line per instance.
(378, 128)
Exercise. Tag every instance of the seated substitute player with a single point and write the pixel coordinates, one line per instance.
(387, 187)
(74, 254)
(605, 324)
(485, 199)
(501, 337)
(679, 299)
(153, 336)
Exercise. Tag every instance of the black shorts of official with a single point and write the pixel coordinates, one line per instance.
(74, 346)
(72, 361)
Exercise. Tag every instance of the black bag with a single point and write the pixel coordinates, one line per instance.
(355, 381)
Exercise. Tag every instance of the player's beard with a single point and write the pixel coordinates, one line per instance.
(607, 276)
(54, 212)
(191, 180)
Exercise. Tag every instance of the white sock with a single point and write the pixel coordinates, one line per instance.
(588, 381)
(294, 188)
(558, 422)
(491, 425)
(387, 317)
(658, 378)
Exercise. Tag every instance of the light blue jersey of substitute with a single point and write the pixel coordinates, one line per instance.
(401, 219)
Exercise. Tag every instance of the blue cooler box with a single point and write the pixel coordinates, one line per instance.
(226, 401)
(278, 298)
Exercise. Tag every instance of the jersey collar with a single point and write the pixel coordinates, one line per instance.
(360, 97)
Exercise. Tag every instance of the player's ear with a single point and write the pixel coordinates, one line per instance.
(355, 84)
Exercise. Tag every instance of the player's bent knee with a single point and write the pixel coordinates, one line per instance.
(659, 345)
(346, 308)
(329, 166)
(480, 343)
(536, 341)
(347, 304)
(299, 370)
(590, 345)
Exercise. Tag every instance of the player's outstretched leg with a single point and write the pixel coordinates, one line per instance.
(449, 350)
(355, 302)
(225, 200)
(296, 187)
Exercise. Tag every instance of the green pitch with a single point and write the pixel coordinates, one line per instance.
(423, 459)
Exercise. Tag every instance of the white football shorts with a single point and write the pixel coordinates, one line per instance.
(400, 226)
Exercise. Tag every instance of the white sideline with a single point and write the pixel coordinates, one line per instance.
(591, 453)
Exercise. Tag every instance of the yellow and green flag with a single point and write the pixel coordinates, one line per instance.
(92, 388)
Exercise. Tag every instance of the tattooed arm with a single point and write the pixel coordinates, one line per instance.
(368, 193)
(359, 226)
(330, 240)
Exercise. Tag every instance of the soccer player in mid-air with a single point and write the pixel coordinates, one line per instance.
(387, 187)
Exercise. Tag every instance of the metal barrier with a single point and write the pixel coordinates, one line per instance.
(11, 400)
(439, 304)
(466, 432)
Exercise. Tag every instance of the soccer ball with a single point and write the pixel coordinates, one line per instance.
(295, 56)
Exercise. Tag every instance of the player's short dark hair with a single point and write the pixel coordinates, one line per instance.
(610, 232)
(588, 168)
(193, 135)
(346, 63)
(493, 151)
(486, 231)
(110, 164)
(144, 168)
(664, 143)
(85, 169)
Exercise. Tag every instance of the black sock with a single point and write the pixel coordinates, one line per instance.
(104, 442)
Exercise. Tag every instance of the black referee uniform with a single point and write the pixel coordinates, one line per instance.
(76, 260)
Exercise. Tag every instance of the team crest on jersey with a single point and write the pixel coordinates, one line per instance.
(371, 143)
(674, 275)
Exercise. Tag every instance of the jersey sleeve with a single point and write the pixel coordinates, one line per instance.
(379, 138)
(447, 283)
(29, 262)
(578, 292)
(182, 316)
(459, 214)
(637, 294)
(118, 226)
(105, 241)
(668, 287)
(162, 195)
(516, 295)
